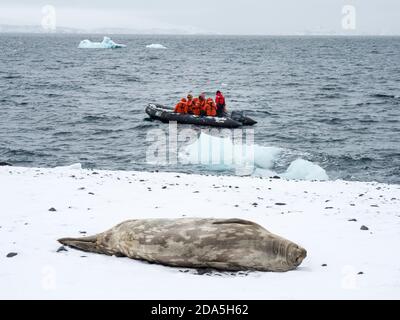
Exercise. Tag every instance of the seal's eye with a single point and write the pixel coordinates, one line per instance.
(275, 248)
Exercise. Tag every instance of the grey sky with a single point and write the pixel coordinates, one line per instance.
(215, 16)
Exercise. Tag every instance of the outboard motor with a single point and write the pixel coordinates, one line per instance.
(242, 118)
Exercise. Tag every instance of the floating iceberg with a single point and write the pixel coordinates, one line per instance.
(156, 46)
(218, 153)
(305, 170)
(107, 43)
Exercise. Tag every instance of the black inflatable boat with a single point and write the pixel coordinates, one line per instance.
(165, 114)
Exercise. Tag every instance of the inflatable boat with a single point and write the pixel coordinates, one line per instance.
(165, 114)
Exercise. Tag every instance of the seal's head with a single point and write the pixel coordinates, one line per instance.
(295, 255)
(286, 254)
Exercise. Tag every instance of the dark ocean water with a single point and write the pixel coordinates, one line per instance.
(332, 100)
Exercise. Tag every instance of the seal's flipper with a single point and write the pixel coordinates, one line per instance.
(88, 244)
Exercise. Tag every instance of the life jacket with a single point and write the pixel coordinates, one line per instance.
(197, 106)
(220, 100)
(189, 105)
(210, 108)
(181, 106)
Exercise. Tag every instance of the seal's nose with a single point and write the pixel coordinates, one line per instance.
(296, 255)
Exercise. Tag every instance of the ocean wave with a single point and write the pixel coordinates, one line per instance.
(384, 96)
(96, 118)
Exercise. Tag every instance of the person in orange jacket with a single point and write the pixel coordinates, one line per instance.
(210, 108)
(221, 105)
(189, 103)
(181, 107)
(198, 105)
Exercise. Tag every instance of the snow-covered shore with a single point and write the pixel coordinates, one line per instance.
(326, 218)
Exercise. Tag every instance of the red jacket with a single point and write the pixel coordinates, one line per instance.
(220, 99)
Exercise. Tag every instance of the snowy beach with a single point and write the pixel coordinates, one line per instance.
(350, 231)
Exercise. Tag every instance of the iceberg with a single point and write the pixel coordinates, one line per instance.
(107, 43)
(156, 46)
(217, 153)
(305, 170)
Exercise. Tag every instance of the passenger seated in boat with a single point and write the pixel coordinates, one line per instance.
(198, 104)
(210, 109)
(189, 103)
(181, 107)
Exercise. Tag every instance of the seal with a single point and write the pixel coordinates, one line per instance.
(224, 244)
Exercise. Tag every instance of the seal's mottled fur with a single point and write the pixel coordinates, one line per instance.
(225, 244)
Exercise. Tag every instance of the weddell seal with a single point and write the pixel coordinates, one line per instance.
(225, 244)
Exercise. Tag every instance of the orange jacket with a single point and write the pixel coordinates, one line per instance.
(181, 107)
(210, 108)
(197, 106)
(189, 105)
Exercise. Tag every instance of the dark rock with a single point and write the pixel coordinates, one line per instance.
(364, 228)
(352, 220)
(236, 205)
(164, 187)
(374, 206)
(324, 265)
(328, 207)
(361, 195)
(11, 254)
(5, 164)
(91, 193)
(196, 192)
(360, 273)
(276, 177)
(62, 248)
(255, 204)
(82, 232)
(82, 188)
(352, 204)
(52, 210)
(280, 204)
(94, 172)
(83, 256)
(203, 271)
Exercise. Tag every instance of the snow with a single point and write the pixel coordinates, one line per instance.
(156, 46)
(315, 215)
(107, 43)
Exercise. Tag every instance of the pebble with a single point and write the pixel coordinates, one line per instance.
(62, 248)
(11, 254)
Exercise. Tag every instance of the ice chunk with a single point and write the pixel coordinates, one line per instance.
(222, 153)
(305, 170)
(107, 43)
(156, 46)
